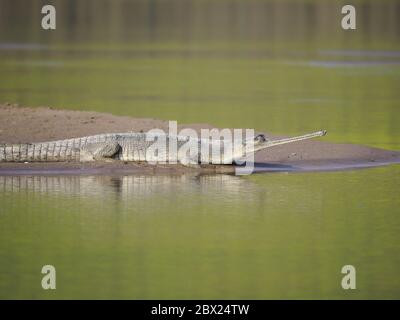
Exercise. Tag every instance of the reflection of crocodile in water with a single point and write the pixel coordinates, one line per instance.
(131, 188)
(134, 147)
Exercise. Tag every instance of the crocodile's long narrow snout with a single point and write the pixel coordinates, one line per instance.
(261, 142)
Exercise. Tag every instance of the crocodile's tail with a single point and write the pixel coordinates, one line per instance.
(39, 152)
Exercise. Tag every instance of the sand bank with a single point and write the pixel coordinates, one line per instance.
(21, 124)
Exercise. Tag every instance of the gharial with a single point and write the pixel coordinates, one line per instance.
(130, 147)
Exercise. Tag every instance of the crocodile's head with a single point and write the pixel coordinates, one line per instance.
(254, 143)
(259, 139)
(260, 142)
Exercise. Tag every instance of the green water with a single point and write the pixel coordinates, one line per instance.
(277, 67)
(265, 236)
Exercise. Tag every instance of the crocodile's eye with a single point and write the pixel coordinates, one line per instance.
(260, 138)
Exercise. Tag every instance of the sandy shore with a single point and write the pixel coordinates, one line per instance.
(21, 124)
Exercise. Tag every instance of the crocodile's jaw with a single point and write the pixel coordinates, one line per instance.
(261, 144)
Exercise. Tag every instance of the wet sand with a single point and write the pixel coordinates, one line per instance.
(21, 125)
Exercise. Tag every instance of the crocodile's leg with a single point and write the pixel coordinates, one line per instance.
(191, 165)
(99, 151)
(188, 162)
